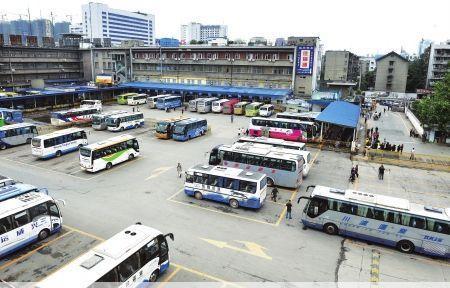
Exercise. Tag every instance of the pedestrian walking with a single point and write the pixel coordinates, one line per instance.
(289, 209)
(401, 149)
(381, 172)
(274, 194)
(231, 118)
(182, 111)
(413, 154)
(133, 109)
(356, 171)
(384, 110)
(179, 169)
(246, 132)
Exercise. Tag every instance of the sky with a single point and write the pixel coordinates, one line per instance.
(360, 26)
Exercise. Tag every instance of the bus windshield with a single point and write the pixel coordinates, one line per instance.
(96, 120)
(36, 142)
(113, 122)
(85, 152)
(161, 127)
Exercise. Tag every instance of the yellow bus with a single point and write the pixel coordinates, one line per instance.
(239, 108)
(164, 128)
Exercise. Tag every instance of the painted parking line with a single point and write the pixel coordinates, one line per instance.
(375, 267)
(167, 279)
(205, 275)
(158, 171)
(285, 209)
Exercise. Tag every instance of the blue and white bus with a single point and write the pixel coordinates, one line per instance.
(121, 122)
(169, 102)
(11, 116)
(27, 214)
(377, 218)
(189, 128)
(58, 143)
(77, 116)
(17, 134)
(135, 255)
(236, 187)
(99, 120)
(282, 169)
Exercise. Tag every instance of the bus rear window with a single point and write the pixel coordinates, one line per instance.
(36, 142)
(85, 152)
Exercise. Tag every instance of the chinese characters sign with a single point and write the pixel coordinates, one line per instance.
(305, 60)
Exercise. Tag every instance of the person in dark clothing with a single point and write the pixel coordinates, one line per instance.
(381, 172)
(231, 118)
(393, 148)
(274, 194)
(401, 149)
(246, 132)
(356, 171)
(289, 209)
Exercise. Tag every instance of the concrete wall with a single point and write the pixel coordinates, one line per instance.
(414, 121)
(336, 65)
(397, 72)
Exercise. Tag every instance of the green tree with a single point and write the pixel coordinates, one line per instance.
(368, 81)
(435, 109)
(193, 42)
(417, 72)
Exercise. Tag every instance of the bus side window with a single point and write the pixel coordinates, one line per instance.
(189, 178)
(53, 209)
(227, 183)
(37, 211)
(149, 252)
(5, 225)
(213, 180)
(34, 130)
(21, 218)
(379, 214)
(111, 277)
(128, 267)
(417, 222)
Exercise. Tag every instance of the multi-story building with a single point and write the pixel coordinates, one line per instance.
(392, 72)
(367, 64)
(61, 28)
(38, 27)
(76, 28)
(341, 66)
(198, 32)
(20, 65)
(439, 63)
(100, 22)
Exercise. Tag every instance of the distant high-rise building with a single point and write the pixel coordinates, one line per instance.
(367, 64)
(280, 42)
(423, 44)
(38, 27)
(61, 28)
(100, 21)
(439, 62)
(198, 32)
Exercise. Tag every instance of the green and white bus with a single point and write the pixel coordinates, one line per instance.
(105, 154)
(123, 98)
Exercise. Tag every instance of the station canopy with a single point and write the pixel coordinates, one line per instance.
(341, 113)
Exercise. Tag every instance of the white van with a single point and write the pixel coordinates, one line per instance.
(266, 110)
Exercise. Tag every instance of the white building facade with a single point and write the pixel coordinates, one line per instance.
(76, 28)
(198, 32)
(100, 21)
(438, 65)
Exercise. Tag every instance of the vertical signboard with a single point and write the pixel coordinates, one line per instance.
(305, 60)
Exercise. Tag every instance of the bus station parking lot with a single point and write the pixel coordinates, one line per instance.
(214, 242)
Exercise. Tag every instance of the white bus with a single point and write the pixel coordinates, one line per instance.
(77, 116)
(377, 218)
(281, 169)
(152, 100)
(266, 110)
(99, 120)
(301, 116)
(217, 106)
(274, 142)
(193, 104)
(204, 104)
(27, 214)
(138, 99)
(135, 255)
(58, 143)
(91, 104)
(17, 134)
(235, 187)
(121, 122)
(105, 154)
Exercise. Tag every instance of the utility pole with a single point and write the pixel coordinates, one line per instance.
(53, 30)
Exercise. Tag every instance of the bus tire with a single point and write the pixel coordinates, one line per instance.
(131, 156)
(28, 140)
(154, 276)
(198, 195)
(330, 229)
(405, 246)
(79, 146)
(43, 234)
(121, 129)
(270, 182)
(58, 153)
(2, 146)
(136, 126)
(234, 203)
(108, 165)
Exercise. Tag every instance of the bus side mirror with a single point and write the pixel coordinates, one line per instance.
(170, 235)
(63, 202)
(43, 190)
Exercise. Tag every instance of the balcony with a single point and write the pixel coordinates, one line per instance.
(253, 62)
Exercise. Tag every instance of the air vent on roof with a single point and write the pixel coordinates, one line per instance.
(127, 232)
(91, 262)
(205, 166)
(335, 190)
(249, 173)
(434, 209)
(133, 233)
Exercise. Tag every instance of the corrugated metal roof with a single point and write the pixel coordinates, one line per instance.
(341, 113)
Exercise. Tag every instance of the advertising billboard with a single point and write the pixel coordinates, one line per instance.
(15, 40)
(104, 79)
(304, 63)
(32, 41)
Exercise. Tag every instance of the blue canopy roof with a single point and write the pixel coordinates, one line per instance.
(207, 89)
(341, 113)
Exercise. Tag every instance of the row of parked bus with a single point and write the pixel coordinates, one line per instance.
(162, 102)
(230, 106)
(181, 129)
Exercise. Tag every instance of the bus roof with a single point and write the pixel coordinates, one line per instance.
(271, 141)
(127, 94)
(222, 101)
(93, 101)
(76, 110)
(115, 116)
(242, 103)
(255, 104)
(209, 99)
(312, 115)
(382, 201)
(59, 133)
(173, 120)
(109, 113)
(109, 142)
(281, 120)
(228, 172)
(171, 97)
(261, 151)
(95, 263)
(141, 94)
(189, 120)
(16, 204)
(17, 125)
(266, 106)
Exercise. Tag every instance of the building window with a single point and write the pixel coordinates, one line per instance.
(237, 56)
(391, 63)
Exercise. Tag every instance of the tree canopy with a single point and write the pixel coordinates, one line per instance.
(417, 72)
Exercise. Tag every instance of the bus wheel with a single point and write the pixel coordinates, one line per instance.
(28, 140)
(234, 203)
(121, 129)
(43, 234)
(405, 246)
(198, 195)
(131, 156)
(154, 276)
(270, 182)
(136, 126)
(2, 146)
(330, 229)
(108, 165)
(79, 146)
(58, 153)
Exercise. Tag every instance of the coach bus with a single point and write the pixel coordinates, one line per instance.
(285, 129)
(135, 255)
(228, 107)
(301, 116)
(239, 108)
(91, 104)
(123, 98)
(266, 110)
(27, 214)
(11, 116)
(107, 153)
(217, 106)
(381, 219)
(274, 142)
(204, 105)
(164, 128)
(99, 120)
(189, 128)
(235, 187)
(138, 99)
(121, 122)
(193, 104)
(152, 100)
(77, 116)
(281, 169)
(58, 143)
(169, 102)
(17, 134)
(252, 109)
